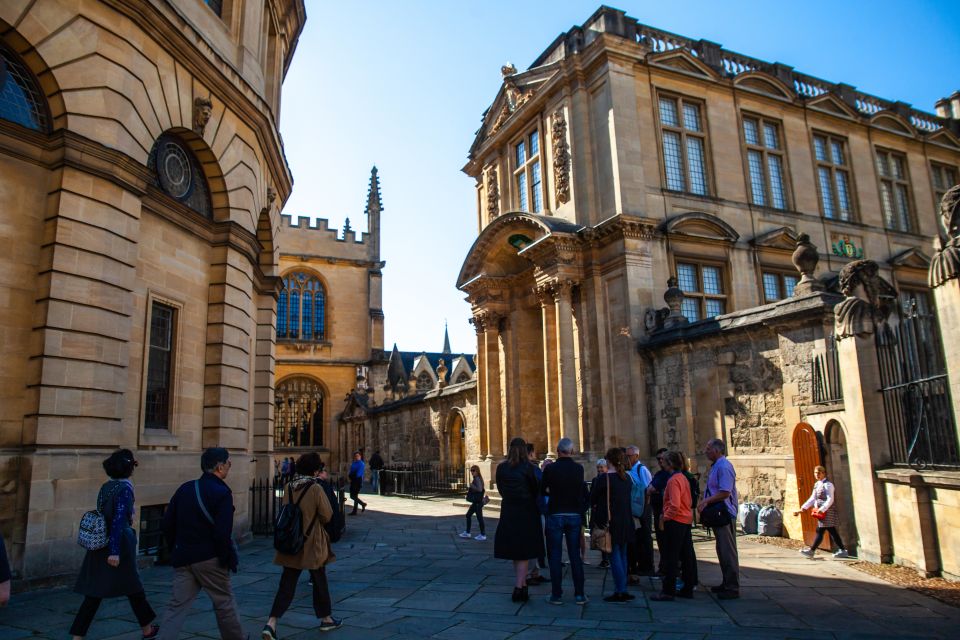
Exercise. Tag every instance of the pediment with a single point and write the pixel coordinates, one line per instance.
(701, 225)
(682, 60)
(829, 103)
(516, 90)
(945, 139)
(892, 122)
(353, 407)
(460, 366)
(912, 257)
(783, 238)
(760, 82)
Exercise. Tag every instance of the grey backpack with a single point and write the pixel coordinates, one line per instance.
(93, 532)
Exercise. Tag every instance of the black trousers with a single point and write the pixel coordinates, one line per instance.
(678, 547)
(355, 488)
(288, 588)
(476, 508)
(834, 535)
(86, 612)
(660, 542)
(640, 549)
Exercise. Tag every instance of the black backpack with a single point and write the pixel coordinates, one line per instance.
(337, 522)
(288, 533)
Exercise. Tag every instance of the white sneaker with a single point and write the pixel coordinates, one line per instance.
(842, 553)
(465, 534)
(479, 538)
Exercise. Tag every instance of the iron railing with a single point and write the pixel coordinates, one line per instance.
(916, 395)
(265, 497)
(422, 480)
(827, 387)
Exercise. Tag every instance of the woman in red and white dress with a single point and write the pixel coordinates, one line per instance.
(823, 508)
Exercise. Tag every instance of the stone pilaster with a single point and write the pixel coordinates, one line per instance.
(492, 382)
(263, 384)
(566, 365)
(548, 311)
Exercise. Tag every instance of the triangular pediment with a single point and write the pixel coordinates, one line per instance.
(682, 60)
(945, 139)
(892, 122)
(760, 82)
(783, 238)
(701, 225)
(355, 406)
(912, 257)
(516, 90)
(829, 103)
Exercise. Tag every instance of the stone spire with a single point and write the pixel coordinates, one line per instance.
(446, 339)
(374, 207)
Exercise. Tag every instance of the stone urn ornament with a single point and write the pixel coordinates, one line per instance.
(805, 258)
(673, 296)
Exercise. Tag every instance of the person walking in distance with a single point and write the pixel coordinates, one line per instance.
(722, 488)
(563, 487)
(198, 526)
(306, 491)
(676, 523)
(519, 534)
(376, 466)
(111, 572)
(356, 482)
(612, 499)
(823, 508)
(475, 496)
(640, 551)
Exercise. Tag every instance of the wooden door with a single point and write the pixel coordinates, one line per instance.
(806, 456)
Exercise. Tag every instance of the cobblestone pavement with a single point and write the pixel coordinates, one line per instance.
(402, 572)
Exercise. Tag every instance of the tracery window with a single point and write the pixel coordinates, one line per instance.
(424, 381)
(703, 290)
(833, 176)
(765, 162)
(298, 420)
(178, 174)
(21, 100)
(527, 174)
(301, 309)
(463, 377)
(894, 189)
(684, 144)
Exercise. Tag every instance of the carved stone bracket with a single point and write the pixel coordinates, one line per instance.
(945, 265)
(493, 193)
(869, 300)
(561, 157)
(202, 110)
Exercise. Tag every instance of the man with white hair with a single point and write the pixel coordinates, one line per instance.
(563, 485)
(722, 488)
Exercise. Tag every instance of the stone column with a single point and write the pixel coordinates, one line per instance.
(545, 293)
(858, 317)
(491, 338)
(263, 391)
(944, 279)
(569, 424)
(484, 445)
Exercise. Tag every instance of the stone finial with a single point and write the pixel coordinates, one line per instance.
(442, 374)
(202, 110)
(805, 258)
(374, 200)
(945, 264)
(508, 69)
(674, 299)
(346, 227)
(869, 300)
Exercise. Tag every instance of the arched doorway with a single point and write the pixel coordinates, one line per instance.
(806, 456)
(838, 470)
(456, 440)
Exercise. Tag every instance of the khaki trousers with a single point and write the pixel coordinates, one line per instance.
(187, 583)
(726, 538)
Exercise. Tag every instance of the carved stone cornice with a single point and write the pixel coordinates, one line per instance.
(561, 157)
(620, 227)
(945, 264)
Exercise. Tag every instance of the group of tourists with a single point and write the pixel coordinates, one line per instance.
(628, 505)
(197, 527)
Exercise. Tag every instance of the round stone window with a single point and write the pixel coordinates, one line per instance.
(178, 174)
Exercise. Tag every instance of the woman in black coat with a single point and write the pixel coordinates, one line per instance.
(112, 572)
(619, 518)
(519, 533)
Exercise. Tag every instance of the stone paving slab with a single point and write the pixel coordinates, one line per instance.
(402, 574)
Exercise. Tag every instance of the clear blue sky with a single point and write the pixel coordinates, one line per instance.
(402, 85)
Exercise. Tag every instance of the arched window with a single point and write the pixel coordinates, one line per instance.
(424, 382)
(298, 420)
(178, 174)
(300, 312)
(21, 100)
(463, 377)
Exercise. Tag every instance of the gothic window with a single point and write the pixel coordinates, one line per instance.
(424, 382)
(21, 100)
(765, 162)
(298, 420)
(160, 366)
(684, 144)
(527, 174)
(300, 310)
(833, 176)
(894, 189)
(178, 174)
(463, 377)
(703, 290)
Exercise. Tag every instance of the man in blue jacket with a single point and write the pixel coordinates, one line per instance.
(198, 528)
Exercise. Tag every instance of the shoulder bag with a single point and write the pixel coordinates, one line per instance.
(600, 536)
(715, 515)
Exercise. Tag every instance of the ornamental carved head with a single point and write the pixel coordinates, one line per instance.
(861, 279)
(950, 211)
(202, 110)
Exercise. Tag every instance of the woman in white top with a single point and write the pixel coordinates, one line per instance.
(823, 508)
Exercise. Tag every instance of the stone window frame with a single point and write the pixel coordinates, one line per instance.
(324, 413)
(700, 296)
(781, 276)
(846, 169)
(168, 436)
(704, 135)
(894, 182)
(765, 153)
(29, 86)
(526, 169)
(327, 324)
(941, 185)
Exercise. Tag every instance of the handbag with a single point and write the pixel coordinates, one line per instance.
(486, 500)
(600, 538)
(715, 515)
(819, 515)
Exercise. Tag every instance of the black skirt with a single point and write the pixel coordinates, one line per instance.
(98, 579)
(519, 532)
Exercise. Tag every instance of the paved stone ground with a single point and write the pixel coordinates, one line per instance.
(403, 573)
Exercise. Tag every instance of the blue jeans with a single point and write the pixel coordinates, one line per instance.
(558, 528)
(375, 481)
(618, 566)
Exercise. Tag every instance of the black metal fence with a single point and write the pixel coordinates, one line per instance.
(423, 480)
(916, 397)
(266, 495)
(827, 387)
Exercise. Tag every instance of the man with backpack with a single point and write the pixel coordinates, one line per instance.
(198, 527)
(303, 543)
(640, 552)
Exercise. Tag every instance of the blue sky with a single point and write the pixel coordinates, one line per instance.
(403, 84)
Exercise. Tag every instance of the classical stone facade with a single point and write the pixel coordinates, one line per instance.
(628, 167)
(141, 175)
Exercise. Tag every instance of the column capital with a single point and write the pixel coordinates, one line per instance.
(555, 290)
(487, 320)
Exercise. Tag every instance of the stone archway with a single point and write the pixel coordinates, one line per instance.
(838, 470)
(456, 439)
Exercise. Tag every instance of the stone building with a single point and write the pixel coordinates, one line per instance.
(141, 174)
(627, 162)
